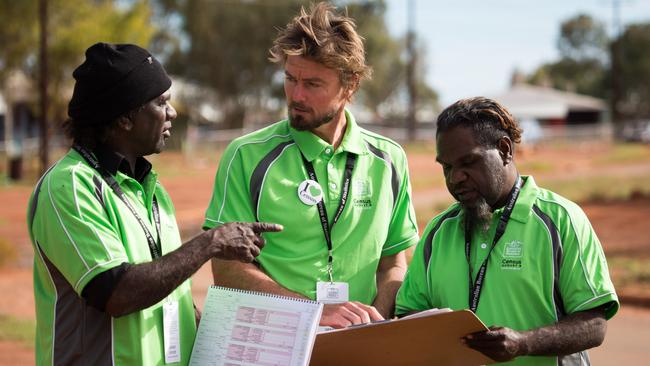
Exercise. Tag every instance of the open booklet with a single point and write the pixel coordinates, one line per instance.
(253, 328)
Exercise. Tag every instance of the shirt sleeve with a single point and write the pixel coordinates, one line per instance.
(231, 200)
(584, 277)
(414, 293)
(403, 230)
(72, 228)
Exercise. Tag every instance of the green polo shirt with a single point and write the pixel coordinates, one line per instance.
(548, 263)
(258, 179)
(80, 228)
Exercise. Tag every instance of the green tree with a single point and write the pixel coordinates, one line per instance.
(73, 26)
(224, 46)
(582, 67)
(634, 71)
(226, 49)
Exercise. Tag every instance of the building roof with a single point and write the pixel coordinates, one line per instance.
(529, 101)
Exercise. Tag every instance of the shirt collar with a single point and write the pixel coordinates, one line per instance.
(312, 146)
(113, 162)
(527, 196)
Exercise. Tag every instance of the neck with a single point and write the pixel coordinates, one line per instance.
(333, 131)
(120, 147)
(509, 183)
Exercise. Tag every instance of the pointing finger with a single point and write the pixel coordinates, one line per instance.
(260, 227)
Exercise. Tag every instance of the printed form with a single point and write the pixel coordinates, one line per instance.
(250, 328)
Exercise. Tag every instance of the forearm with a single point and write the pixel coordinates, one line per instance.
(247, 276)
(574, 333)
(390, 275)
(145, 284)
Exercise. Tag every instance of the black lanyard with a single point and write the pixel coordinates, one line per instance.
(154, 246)
(476, 287)
(322, 212)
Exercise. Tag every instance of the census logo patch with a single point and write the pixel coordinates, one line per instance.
(514, 249)
(361, 188)
(310, 192)
(513, 253)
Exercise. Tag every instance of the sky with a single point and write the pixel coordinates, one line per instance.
(473, 46)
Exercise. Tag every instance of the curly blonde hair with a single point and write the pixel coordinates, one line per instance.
(327, 37)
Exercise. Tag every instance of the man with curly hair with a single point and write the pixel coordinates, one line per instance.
(523, 258)
(342, 193)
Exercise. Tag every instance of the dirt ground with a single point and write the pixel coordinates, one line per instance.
(621, 226)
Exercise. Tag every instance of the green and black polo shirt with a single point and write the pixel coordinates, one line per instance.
(79, 229)
(548, 263)
(258, 179)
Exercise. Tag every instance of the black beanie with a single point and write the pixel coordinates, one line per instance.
(114, 79)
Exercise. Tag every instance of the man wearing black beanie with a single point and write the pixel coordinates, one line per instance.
(111, 278)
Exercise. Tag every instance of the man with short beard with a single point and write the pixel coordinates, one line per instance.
(342, 193)
(523, 258)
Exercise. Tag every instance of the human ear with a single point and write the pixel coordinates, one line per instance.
(125, 122)
(505, 148)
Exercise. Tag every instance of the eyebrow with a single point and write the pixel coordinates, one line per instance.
(314, 79)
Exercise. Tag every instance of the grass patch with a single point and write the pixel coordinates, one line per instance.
(421, 148)
(600, 188)
(626, 153)
(17, 330)
(627, 271)
(427, 180)
(534, 167)
(8, 252)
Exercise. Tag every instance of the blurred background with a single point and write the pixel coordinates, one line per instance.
(576, 74)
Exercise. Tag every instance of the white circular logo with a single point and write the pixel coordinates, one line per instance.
(310, 192)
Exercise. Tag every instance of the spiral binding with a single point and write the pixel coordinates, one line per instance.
(266, 294)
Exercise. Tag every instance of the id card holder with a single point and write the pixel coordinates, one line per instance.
(171, 332)
(332, 292)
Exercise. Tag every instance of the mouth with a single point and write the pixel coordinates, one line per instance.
(465, 194)
(167, 133)
(299, 109)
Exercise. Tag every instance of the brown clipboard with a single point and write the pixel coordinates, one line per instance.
(429, 340)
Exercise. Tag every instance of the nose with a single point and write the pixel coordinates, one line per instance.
(297, 93)
(456, 176)
(171, 112)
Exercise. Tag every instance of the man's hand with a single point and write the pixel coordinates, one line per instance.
(349, 313)
(499, 343)
(239, 240)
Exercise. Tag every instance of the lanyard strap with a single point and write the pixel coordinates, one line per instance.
(322, 212)
(154, 246)
(476, 287)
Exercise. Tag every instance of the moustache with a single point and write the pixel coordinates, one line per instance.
(300, 106)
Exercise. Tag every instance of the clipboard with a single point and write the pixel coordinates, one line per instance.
(433, 339)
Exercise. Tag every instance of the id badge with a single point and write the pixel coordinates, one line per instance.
(171, 338)
(332, 292)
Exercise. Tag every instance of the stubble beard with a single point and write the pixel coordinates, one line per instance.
(300, 123)
(479, 215)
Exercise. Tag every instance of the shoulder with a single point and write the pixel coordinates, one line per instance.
(558, 207)
(70, 170)
(262, 139)
(383, 143)
(449, 216)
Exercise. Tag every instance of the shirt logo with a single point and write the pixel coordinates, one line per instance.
(512, 255)
(310, 192)
(361, 188)
(514, 249)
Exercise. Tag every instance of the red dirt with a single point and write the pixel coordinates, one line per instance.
(621, 226)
